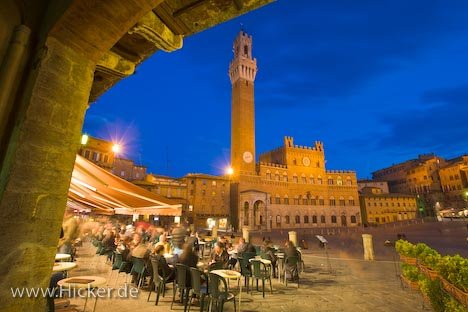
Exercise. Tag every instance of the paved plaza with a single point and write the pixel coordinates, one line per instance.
(352, 285)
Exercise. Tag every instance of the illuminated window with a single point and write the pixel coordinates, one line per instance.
(278, 219)
(295, 179)
(213, 183)
(286, 200)
(332, 201)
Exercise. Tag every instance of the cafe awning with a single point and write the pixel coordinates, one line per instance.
(94, 188)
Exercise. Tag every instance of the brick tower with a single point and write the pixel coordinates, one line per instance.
(242, 71)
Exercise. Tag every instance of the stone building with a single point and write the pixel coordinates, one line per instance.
(98, 151)
(205, 198)
(128, 170)
(414, 176)
(454, 182)
(290, 186)
(378, 207)
(382, 185)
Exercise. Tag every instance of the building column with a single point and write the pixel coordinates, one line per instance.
(39, 162)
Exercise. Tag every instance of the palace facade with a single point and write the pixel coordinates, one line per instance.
(289, 187)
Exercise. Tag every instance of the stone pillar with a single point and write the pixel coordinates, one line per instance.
(214, 231)
(368, 247)
(293, 237)
(246, 233)
(37, 171)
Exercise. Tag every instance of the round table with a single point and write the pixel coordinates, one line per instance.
(82, 282)
(60, 257)
(63, 266)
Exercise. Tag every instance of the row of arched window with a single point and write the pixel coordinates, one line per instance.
(312, 200)
(308, 180)
(313, 219)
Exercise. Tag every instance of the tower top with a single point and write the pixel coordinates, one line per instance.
(243, 66)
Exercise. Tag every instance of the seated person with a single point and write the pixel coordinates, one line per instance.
(269, 253)
(291, 251)
(244, 247)
(164, 268)
(188, 256)
(219, 256)
(163, 241)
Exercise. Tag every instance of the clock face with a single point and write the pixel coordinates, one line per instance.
(248, 157)
(306, 161)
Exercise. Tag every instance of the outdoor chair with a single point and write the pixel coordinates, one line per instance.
(118, 260)
(217, 295)
(216, 266)
(197, 289)
(291, 269)
(138, 268)
(180, 283)
(261, 271)
(246, 271)
(158, 282)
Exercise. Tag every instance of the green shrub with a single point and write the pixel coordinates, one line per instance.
(410, 272)
(455, 270)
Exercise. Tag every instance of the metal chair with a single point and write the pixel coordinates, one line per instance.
(115, 266)
(158, 282)
(197, 289)
(180, 283)
(217, 295)
(261, 271)
(138, 267)
(246, 271)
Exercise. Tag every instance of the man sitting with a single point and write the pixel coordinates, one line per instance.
(219, 257)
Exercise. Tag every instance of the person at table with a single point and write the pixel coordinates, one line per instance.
(291, 251)
(244, 247)
(163, 242)
(192, 240)
(188, 256)
(219, 256)
(268, 252)
(164, 268)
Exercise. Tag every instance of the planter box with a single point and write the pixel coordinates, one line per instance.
(428, 272)
(408, 260)
(455, 292)
(411, 284)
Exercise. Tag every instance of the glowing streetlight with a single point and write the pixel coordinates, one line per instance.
(84, 139)
(229, 171)
(116, 148)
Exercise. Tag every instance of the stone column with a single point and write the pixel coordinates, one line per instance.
(368, 247)
(246, 233)
(37, 171)
(293, 237)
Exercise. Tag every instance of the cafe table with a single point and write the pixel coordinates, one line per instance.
(61, 257)
(63, 266)
(231, 275)
(83, 282)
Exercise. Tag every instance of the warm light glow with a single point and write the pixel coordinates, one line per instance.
(116, 148)
(177, 219)
(229, 171)
(84, 139)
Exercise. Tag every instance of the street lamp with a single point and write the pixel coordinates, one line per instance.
(229, 171)
(116, 148)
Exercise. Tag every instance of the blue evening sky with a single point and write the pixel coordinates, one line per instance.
(379, 82)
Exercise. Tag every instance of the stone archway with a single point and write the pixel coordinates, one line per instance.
(259, 214)
(246, 213)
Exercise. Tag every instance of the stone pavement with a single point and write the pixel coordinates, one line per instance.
(354, 285)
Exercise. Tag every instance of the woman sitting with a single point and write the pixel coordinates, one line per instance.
(164, 268)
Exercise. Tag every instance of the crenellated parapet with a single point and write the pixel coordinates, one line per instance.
(272, 165)
(340, 171)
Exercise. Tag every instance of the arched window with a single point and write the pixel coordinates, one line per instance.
(332, 201)
(322, 219)
(296, 200)
(333, 219)
(295, 178)
(268, 175)
(278, 220)
(286, 200)
(321, 201)
(351, 201)
(306, 219)
(353, 219)
(277, 176)
(349, 181)
(311, 179)
(319, 180)
(305, 201)
(342, 201)
(314, 219)
(277, 199)
(286, 219)
(285, 177)
(339, 181)
(303, 179)
(298, 219)
(313, 201)
(330, 181)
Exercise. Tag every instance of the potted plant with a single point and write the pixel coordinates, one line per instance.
(407, 251)
(454, 273)
(428, 260)
(410, 275)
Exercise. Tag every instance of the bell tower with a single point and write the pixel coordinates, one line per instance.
(242, 71)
